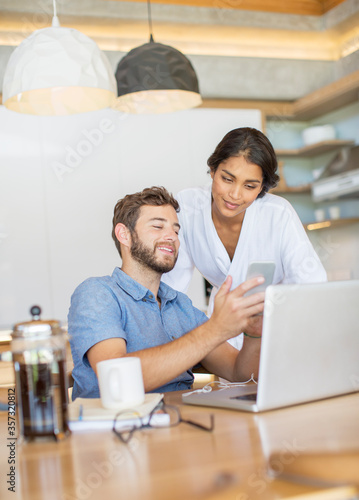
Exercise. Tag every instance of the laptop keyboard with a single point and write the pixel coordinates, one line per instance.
(247, 397)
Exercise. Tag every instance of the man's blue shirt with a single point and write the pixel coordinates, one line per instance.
(118, 306)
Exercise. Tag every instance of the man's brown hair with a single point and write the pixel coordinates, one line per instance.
(127, 210)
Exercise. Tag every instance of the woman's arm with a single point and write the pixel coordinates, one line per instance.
(239, 366)
(301, 262)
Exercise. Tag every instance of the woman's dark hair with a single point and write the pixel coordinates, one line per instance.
(255, 147)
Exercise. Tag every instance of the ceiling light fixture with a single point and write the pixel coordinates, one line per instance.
(58, 71)
(155, 78)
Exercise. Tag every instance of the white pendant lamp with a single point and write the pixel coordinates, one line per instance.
(155, 78)
(58, 71)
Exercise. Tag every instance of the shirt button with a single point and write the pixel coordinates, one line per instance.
(150, 296)
(173, 338)
(144, 300)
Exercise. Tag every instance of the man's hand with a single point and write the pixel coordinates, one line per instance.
(233, 313)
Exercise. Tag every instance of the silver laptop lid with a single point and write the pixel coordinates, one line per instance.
(310, 345)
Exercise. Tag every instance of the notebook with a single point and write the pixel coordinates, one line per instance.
(310, 349)
(89, 414)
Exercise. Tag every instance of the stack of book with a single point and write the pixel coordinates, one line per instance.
(89, 414)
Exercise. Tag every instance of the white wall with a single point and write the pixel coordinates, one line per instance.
(60, 178)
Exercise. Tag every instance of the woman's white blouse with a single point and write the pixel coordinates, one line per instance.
(271, 230)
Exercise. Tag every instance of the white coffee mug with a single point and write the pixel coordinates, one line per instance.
(120, 382)
(319, 214)
(334, 212)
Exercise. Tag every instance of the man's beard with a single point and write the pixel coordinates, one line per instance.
(145, 256)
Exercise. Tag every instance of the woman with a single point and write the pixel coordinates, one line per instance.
(236, 221)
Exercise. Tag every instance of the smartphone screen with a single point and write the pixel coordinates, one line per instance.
(265, 269)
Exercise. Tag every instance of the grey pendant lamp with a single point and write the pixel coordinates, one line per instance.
(155, 78)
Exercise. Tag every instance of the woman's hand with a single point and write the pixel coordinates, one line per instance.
(255, 325)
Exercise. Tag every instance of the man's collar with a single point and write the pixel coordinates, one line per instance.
(138, 291)
(165, 292)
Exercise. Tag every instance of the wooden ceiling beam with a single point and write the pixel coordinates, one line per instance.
(271, 109)
(330, 4)
(300, 7)
(336, 95)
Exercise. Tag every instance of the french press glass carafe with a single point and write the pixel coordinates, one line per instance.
(39, 356)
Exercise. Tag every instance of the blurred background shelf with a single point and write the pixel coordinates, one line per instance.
(315, 149)
(305, 188)
(330, 223)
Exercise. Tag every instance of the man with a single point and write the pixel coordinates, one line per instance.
(132, 313)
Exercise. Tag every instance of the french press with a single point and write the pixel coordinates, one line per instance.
(39, 356)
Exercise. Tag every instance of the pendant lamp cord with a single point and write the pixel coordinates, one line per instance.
(55, 19)
(150, 19)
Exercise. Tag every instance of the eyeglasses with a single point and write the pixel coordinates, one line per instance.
(128, 421)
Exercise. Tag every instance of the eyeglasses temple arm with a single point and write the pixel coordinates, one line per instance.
(200, 426)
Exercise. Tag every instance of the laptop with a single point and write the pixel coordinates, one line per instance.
(310, 349)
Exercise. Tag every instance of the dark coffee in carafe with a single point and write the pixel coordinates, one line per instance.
(39, 355)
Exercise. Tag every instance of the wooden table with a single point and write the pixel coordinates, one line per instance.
(184, 462)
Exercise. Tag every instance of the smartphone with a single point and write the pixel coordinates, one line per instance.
(265, 269)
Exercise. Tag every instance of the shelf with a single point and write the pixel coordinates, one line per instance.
(305, 188)
(327, 99)
(313, 226)
(315, 149)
